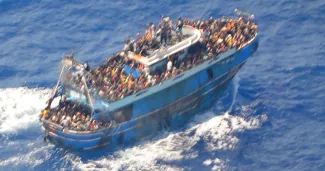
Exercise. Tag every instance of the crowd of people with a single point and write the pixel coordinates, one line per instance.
(218, 35)
(72, 116)
(141, 45)
(111, 81)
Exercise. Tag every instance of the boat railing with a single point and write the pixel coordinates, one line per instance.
(248, 42)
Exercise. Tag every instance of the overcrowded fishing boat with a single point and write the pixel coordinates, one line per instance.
(158, 80)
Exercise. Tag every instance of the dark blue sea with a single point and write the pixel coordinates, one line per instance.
(270, 117)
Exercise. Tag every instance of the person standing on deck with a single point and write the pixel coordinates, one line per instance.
(126, 47)
(180, 24)
(164, 34)
(152, 30)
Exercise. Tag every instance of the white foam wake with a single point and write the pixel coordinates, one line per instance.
(20, 107)
(235, 82)
(34, 156)
(217, 133)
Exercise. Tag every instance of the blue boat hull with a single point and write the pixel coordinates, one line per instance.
(186, 95)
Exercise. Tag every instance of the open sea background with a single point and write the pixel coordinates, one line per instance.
(271, 116)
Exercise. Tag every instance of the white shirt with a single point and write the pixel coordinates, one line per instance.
(146, 70)
(149, 78)
(53, 118)
(169, 66)
(66, 122)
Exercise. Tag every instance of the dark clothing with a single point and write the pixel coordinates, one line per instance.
(164, 34)
(62, 103)
(163, 38)
(180, 25)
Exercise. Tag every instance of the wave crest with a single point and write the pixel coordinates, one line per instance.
(19, 107)
(218, 133)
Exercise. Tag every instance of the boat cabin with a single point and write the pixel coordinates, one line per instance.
(156, 59)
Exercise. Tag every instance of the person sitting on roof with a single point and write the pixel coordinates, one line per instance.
(152, 31)
(86, 66)
(126, 47)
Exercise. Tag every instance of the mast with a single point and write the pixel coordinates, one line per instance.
(57, 84)
(90, 101)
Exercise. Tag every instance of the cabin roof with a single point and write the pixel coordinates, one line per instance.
(191, 34)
